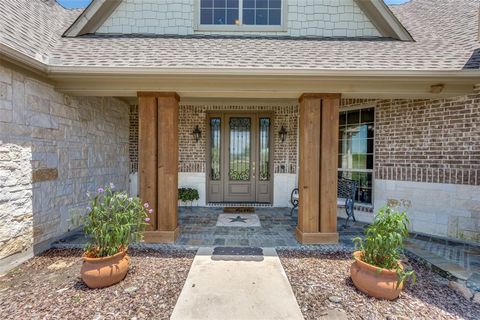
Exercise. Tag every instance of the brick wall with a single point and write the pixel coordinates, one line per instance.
(192, 155)
(435, 141)
(133, 138)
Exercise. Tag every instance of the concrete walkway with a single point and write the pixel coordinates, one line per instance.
(236, 283)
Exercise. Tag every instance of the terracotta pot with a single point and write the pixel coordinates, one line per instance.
(367, 278)
(103, 272)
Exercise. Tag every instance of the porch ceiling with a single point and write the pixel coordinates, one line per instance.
(238, 84)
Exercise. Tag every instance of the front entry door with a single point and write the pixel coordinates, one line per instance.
(240, 155)
(239, 162)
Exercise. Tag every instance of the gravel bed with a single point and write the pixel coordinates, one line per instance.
(321, 283)
(49, 287)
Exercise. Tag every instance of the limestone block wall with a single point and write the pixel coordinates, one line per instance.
(327, 18)
(53, 149)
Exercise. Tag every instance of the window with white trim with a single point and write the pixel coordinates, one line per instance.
(241, 12)
(356, 150)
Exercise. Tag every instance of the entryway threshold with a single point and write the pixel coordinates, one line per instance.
(236, 283)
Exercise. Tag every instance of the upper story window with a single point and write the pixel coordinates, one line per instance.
(247, 15)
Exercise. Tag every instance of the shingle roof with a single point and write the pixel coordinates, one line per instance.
(445, 33)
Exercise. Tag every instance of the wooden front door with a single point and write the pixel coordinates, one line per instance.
(239, 157)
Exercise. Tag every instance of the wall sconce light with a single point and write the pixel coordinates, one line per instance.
(197, 133)
(282, 133)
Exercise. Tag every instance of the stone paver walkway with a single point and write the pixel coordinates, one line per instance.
(236, 283)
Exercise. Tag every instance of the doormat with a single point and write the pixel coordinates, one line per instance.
(238, 209)
(237, 254)
(238, 220)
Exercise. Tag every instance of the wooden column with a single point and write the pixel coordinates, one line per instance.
(318, 143)
(147, 154)
(163, 174)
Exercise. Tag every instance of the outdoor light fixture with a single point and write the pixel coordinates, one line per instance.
(197, 133)
(282, 133)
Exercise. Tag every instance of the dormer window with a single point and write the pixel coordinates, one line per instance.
(241, 15)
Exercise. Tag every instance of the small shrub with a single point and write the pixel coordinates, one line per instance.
(188, 194)
(383, 244)
(113, 221)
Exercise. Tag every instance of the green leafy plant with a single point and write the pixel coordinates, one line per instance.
(384, 242)
(114, 221)
(188, 194)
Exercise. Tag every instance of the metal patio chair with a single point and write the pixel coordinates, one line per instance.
(346, 192)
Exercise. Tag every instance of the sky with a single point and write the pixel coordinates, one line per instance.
(84, 3)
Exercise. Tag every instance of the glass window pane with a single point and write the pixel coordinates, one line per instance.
(206, 16)
(219, 16)
(261, 17)
(232, 16)
(343, 118)
(370, 146)
(206, 4)
(370, 161)
(275, 4)
(248, 16)
(249, 4)
(232, 4)
(353, 117)
(220, 4)
(359, 161)
(371, 130)
(239, 165)
(368, 115)
(264, 138)
(262, 4)
(215, 132)
(275, 17)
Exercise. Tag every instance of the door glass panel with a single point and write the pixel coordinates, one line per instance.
(264, 165)
(239, 157)
(215, 126)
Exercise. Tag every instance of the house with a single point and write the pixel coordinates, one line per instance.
(279, 93)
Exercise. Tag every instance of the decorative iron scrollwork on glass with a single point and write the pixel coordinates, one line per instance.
(239, 166)
(215, 133)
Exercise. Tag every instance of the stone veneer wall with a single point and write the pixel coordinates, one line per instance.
(428, 153)
(53, 149)
(327, 18)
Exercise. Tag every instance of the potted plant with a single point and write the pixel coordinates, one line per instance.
(113, 221)
(378, 270)
(188, 194)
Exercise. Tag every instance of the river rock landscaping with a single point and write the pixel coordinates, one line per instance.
(49, 287)
(322, 285)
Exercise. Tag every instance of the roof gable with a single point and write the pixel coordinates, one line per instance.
(347, 18)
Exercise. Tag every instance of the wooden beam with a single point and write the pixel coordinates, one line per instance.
(309, 164)
(147, 155)
(329, 165)
(168, 164)
(318, 143)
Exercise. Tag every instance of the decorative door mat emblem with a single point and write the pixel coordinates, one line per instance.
(239, 209)
(237, 254)
(238, 220)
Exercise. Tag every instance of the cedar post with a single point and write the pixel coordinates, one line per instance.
(158, 162)
(318, 143)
